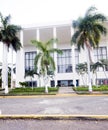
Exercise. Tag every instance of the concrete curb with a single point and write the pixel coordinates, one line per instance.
(55, 117)
(58, 95)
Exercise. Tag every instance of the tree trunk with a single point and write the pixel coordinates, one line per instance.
(5, 68)
(96, 79)
(88, 66)
(46, 82)
(39, 80)
(11, 67)
(83, 80)
(32, 83)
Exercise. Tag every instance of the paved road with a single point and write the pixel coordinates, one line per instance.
(52, 125)
(86, 105)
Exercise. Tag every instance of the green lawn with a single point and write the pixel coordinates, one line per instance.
(101, 88)
(34, 91)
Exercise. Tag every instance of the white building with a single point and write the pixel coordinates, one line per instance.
(65, 74)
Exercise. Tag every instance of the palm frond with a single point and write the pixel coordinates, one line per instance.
(5, 20)
(16, 44)
(99, 17)
(52, 63)
(90, 28)
(38, 45)
(51, 42)
(101, 28)
(8, 33)
(55, 50)
(90, 11)
(36, 60)
(74, 37)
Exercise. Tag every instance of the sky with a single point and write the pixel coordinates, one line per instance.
(40, 12)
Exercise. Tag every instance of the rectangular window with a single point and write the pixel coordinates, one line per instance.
(76, 56)
(64, 61)
(99, 54)
(102, 81)
(29, 60)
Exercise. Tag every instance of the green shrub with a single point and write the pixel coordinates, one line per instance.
(95, 88)
(23, 84)
(53, 89)
(81, 88)
(29, 90)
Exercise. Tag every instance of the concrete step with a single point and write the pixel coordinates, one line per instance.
(65, 90)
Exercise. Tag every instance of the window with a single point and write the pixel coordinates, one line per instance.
(31, 83)
(65, 83)
(29, 60)
(102, 81)
(64, 60)
(100, 53)
(76, 56)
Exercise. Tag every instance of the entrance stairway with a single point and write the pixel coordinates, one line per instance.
(65, 90)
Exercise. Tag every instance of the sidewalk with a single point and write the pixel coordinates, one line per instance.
(66, 90)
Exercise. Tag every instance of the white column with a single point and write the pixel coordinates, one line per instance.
(20, 69)
(38, 38)
(5, 68)
(11, 66)
(73, 60)
(55, 55)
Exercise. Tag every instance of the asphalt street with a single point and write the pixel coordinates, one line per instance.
(52, 125)
(82, 105)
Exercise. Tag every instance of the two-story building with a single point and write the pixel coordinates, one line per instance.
(65, 74)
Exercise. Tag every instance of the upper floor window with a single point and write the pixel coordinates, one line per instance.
(64, 61)
(76, 56)
(100, 53)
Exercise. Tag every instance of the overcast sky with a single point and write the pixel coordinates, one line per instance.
(25, 12)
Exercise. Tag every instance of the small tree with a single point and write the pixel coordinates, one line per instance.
(43, 60)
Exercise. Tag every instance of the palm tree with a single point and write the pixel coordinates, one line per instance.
(88, 33)
(44, 60)
(8, 35)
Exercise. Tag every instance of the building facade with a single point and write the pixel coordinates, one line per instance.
(65, 74)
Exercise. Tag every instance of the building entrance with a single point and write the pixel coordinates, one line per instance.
(65, 83)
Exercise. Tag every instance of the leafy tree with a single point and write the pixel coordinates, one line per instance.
(44, 62)
(88, 31)
(8, 35)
